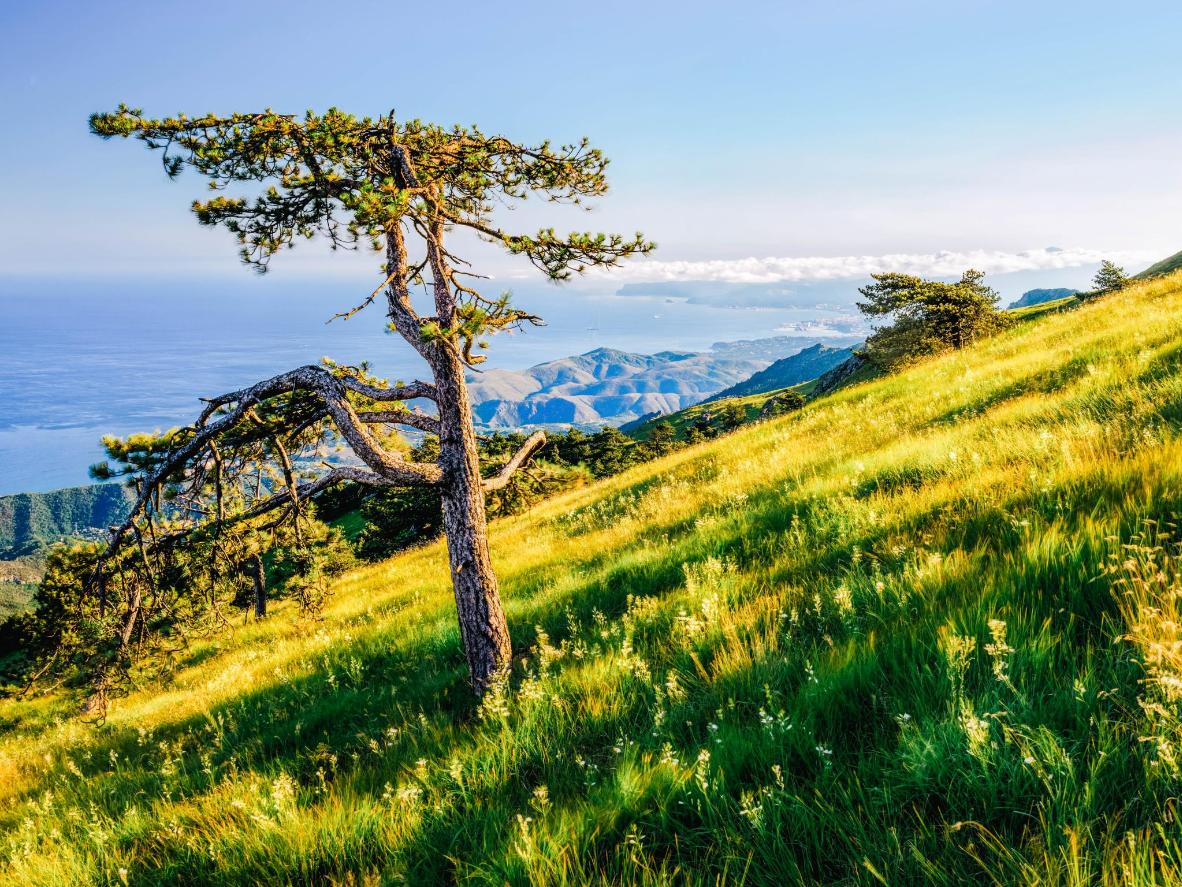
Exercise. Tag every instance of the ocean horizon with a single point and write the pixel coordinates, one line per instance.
(79, 360)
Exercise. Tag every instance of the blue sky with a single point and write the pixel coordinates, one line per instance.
(736, 130)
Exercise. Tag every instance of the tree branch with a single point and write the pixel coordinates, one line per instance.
(535, 442)
(411, 418)
(390, 468)
(398, 392)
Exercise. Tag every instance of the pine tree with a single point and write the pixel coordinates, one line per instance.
(1109, 278)
(928, 316)
(404, 188)
(662, 438)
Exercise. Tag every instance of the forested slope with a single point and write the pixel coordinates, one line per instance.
(28, 520)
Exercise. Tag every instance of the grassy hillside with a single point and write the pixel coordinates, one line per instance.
(15, 597)
(753, 403)
(919, 632)
(1038, 296)
(1166, 266)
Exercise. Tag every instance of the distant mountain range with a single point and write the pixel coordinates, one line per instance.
(1037, 297)
(611, 387)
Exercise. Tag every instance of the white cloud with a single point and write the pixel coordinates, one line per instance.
(773, 269)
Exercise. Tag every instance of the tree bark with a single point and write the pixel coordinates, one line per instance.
(484, 632)
(259, 575)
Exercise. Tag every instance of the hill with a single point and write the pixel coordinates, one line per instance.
(31, 520)
(607, 386)
(1038, 296)
(922, 631)
(788, 371)
(1165, 266)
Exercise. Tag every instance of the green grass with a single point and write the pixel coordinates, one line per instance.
(891, 638)
(1167, 265)
(1030, 312)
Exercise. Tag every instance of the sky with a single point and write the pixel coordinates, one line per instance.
(755, 142)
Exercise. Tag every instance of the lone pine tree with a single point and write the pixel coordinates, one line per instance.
(403, 187)
(928, 316)
(1109, 278)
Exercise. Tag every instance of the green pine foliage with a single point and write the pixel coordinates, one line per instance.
(1109, 279)
(927, 316)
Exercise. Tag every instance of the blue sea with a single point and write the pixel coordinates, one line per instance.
(80, 359)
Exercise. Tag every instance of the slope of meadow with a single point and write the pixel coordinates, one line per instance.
(920, 631)
(1166, 266)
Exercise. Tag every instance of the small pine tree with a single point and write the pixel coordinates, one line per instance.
(731, 415)
(788, 402)
(928, 316)
(1110, 278)
(661, 439)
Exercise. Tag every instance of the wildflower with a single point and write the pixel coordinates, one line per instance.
(976, 731)
(523, 825)
(283, 792)
(410, 794)
(668, 756)
(634, 837)
(702, 770)
(998, 649)
(751, 808)
(673, 689)
(844, 599)
(495, 703)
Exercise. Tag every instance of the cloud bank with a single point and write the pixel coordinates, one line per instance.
(773, 269)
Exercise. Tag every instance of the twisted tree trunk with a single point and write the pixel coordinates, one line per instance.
(484, 633)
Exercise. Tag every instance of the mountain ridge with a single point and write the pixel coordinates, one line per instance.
(806, 364)
(606, 386)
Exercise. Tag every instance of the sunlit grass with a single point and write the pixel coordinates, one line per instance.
(895, 637)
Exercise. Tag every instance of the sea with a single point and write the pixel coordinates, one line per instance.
(80, 359)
